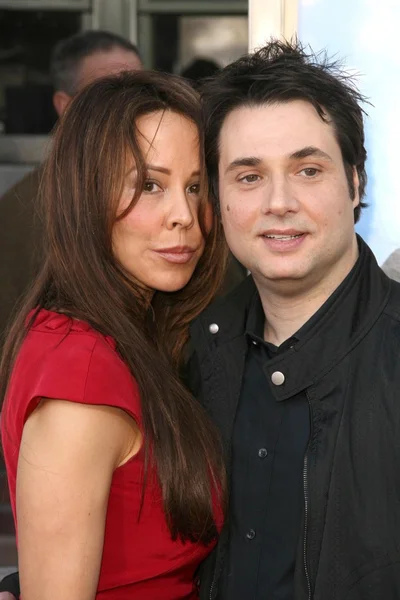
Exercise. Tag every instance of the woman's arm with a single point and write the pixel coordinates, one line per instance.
(67, 458)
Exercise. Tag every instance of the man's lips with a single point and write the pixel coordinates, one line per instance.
(282, 234)
(281, 240)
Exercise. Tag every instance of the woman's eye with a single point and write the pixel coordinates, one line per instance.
(150, 186)
(250, 178)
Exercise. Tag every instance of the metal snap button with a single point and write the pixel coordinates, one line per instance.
(277, 378)
(251, 534)
(213, 328)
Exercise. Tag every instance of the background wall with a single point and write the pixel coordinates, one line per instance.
(366, 34)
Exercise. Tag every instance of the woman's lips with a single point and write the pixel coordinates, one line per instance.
(178, 254)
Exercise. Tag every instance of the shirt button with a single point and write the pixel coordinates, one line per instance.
(213, 328)
(254, 343)
(277, 378)
(251, 534)
(263, 452)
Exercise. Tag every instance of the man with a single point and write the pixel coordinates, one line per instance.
(299, 366)
(75, 62)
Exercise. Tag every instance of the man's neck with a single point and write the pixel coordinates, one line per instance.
(287, 310)
(286, 315)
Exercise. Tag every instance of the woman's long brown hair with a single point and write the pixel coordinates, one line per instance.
(82, 183)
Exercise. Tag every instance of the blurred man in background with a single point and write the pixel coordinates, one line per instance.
(391, 266)
(75, 62)
(198, 69)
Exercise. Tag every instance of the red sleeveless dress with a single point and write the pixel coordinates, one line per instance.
(65, 358)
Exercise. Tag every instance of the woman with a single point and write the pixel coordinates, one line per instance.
(115, 474)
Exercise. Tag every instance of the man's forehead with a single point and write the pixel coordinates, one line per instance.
(281, 129)
(293, 105)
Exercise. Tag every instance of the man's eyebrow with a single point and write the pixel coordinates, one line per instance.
(245, 161)
(309, 151)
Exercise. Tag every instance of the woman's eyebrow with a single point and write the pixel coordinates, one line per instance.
(159, 169)
(167, 171)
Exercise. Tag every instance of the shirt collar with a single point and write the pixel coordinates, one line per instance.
(255, 329)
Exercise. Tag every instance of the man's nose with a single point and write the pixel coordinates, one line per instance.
(279, 196)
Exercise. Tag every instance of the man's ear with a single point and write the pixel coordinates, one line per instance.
(61, 101)
(356, 187)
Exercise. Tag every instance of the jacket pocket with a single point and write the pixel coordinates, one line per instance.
(377, 580)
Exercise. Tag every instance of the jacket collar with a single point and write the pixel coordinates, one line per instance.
(354, 311)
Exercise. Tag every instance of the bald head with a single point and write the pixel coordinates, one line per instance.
(103, 63)
(85, 57)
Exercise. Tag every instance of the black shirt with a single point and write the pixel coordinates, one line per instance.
(268, 446)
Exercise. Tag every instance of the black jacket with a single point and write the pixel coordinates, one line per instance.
(349, 544)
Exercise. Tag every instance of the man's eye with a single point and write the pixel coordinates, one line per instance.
(250, 178)
(310, 172)
(194, 189)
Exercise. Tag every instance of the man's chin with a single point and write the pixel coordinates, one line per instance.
(285, 282)
(286, 275)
